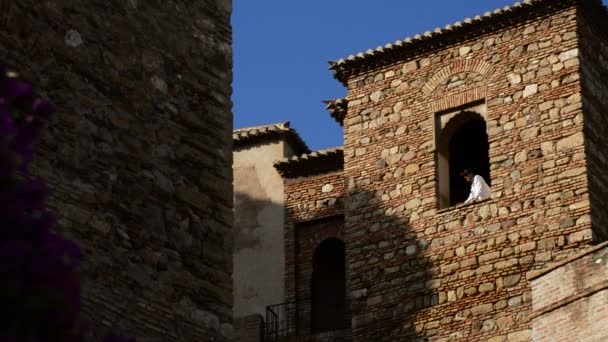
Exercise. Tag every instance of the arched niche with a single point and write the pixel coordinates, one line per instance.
(328, 287)
(462, 143)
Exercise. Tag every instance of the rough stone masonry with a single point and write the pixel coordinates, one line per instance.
(139, 154)
(417, 271)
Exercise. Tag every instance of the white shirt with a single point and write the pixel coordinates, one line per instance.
(479, 190)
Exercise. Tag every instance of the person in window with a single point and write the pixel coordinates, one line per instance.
(479, 188)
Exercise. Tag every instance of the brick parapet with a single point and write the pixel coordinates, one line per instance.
(533, 275)
(572, 295)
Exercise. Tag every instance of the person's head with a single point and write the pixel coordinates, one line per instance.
(468, 175)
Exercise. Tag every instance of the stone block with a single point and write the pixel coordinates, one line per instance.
(486, 287)
(572, 141)
(511, 280)
(515, 301)
(327, 188)
(530, 90)
(566, 55)
(481, 309)
(489, 256)
(409, 66)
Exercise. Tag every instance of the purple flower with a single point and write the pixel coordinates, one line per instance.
(40, 287)
(9, 88)
(7, 126)
(24, 196)
(42, 108)
(114, 338)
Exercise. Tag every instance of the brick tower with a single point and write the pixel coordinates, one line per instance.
(517, 95)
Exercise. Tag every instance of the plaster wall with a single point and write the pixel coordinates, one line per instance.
(258, 228)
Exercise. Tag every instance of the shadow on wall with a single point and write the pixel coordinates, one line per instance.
(246, 225)
(389, 279)
(175, 260)
(389, 282)
(259, 267)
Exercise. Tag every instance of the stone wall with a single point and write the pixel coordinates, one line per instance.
(309, 235)
(314, 210)
(415, 271)
(138, 155)
(569, 300)
(594, 73)
(317, 197)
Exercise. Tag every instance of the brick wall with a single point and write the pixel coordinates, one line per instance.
(415, 271)
(313, 208)
(309, 235)
(570, 299)
(138, 155)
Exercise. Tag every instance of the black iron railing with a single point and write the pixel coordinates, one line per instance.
(285, 323)
(281, 321)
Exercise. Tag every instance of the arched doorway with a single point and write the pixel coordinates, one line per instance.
(328, 287)
(463, 144)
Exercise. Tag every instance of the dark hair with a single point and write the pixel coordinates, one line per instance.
(466, 172)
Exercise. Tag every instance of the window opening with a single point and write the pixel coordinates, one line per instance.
(328, 287)
(462, 144)
(468, 150)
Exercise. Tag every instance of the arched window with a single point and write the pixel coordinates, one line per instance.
(463, 144)
(328, 287)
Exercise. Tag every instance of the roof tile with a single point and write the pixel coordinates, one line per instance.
(337, 109)
(351, 60)
(250, 135)
(312, 163)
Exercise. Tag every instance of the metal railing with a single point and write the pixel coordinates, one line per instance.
(281, 321)
(282, 325)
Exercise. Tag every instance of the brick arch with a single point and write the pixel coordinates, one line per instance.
(335, 231)
(457, 67)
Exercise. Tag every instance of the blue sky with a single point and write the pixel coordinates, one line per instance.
(281, 49)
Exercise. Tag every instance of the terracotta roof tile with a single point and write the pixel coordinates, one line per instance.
(337, 109)
(341, 67)
(313, 163)
(256, 134)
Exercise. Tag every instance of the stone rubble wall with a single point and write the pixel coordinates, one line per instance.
(415, 271)
(594, 76)
(316, 198)
(138, 154)
(309, 235)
